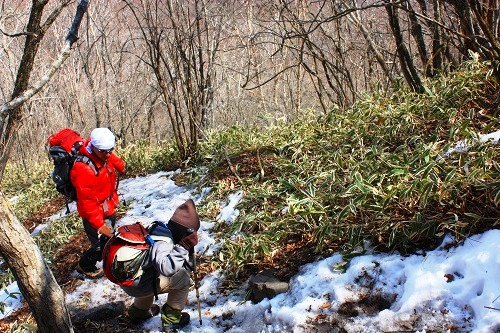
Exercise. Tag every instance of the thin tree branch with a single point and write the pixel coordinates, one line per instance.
(231, 167)
(489, 307)
(37, 86)
(17, 34)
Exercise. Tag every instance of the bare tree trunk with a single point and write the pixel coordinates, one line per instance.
(437, 40)
(34, 278)
(465, 14)
(416, 32)
(479, 24)
(93, 91)
(409, 71)
(182, 44)
(36, 282)
(488, 23)
(354, 16)
(35, 31)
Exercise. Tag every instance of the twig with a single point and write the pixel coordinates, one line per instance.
(17, 34)
(259, 161)
(489, 307)
(231, 167)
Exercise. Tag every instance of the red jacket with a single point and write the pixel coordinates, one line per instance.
(97, 196)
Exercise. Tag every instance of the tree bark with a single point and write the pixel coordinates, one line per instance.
(437, 40)
(182, 46)
(355, 17)
(464, 13)
(34, 278)
(24, 258)
(409, 71)
(10, 116)
(416, 32)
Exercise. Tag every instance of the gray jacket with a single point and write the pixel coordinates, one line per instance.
(164, 258)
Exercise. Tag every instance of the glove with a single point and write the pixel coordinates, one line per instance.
(102, 241)
(105, 230)
(190, 241)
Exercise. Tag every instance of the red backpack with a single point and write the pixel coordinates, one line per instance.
(63, 151)
(125, 253)
(70, 140)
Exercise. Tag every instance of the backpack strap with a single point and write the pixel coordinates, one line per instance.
(88, 161)
(76, 147)
(66, 200)
(150, 241)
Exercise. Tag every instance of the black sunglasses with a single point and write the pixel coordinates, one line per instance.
(106, 150)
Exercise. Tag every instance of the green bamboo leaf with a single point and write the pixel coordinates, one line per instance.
(392, 236)
(358, 177)
(426, 190)
(376, 208)
(496, 192)
(361, 187)
(427, 170)
(474, 216)
(343, 214)
(450, 175)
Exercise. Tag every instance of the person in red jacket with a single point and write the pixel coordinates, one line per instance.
(96, 182)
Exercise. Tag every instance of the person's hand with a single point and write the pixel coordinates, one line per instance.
(105, 230)
(190, 241)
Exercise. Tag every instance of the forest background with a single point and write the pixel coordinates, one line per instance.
(169, 73)
(161, 70)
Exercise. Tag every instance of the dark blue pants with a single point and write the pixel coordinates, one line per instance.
(93, 254)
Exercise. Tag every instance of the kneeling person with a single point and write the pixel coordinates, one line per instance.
(164, 271)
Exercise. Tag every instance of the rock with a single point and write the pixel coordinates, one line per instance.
(265, 285)
(99, 313)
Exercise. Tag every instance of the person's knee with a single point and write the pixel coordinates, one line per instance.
(184, 279)
(179, 281)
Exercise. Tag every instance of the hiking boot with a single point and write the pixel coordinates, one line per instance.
(94, 273)
(137, 315)
(173, 320)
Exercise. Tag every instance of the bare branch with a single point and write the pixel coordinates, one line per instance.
(26, 95)
(17, 34)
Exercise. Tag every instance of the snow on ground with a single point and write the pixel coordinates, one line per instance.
(450, 289)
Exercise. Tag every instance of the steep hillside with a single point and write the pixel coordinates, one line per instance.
(394, 173)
